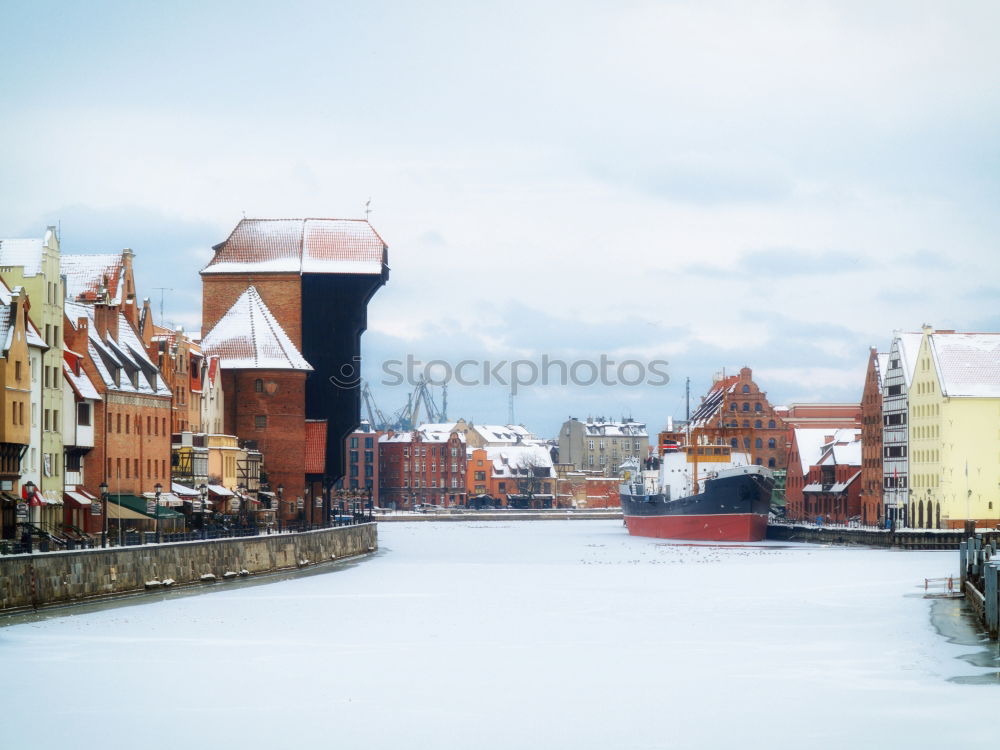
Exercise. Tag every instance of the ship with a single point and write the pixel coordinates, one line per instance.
(698, 492)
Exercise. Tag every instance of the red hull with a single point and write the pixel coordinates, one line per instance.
(737, 527)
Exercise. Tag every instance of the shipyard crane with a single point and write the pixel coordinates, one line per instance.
(408, 417)
(375, 416)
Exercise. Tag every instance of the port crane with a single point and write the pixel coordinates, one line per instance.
(420, 401)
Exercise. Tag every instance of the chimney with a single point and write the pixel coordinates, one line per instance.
(106, 320)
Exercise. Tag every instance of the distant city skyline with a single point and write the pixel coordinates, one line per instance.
(714, 185)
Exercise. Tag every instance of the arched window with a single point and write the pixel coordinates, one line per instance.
(770, 424)
(770, 463)
(771, 443)
(746, 389)
(759, 462)
(258, 385)
(732, 406)
(733, 443)
(746, 406)
(757, 424)
(734, 423)
(746, 422)
(758, 443)
(746, 443)
(756, 407)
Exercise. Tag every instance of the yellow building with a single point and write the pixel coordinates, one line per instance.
(954, 416)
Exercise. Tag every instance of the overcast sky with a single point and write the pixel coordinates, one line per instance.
(778, 185)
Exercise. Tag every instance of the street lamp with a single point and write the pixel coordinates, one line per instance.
(281, 493)
(103, 488)
(240, 489)
(203, 493)
(29, 490)
(306, 507)
(156, 514)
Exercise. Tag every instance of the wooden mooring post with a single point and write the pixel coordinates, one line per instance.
(980, 580)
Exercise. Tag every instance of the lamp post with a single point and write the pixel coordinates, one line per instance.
(29, 490)
(281, 494)
(240, 490)
(203, 493)
(103, 487)
(156, 514)
(306, 507)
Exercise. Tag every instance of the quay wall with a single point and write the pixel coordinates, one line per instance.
(528, 515)
(32, 581)
(900, 539)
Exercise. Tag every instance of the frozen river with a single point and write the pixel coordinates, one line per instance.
(516, 635)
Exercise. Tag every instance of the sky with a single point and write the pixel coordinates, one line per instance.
(778, 185)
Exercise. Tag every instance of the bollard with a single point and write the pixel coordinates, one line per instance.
(991, 602)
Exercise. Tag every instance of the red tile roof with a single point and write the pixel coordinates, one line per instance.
(316, 446)
(300, 246)
(86, 273)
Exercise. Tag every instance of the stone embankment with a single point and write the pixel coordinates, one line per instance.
(502, 515)
(39, 580)
(867, 537)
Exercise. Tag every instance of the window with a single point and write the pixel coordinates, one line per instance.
(17, 370)
(590, 445)
(260, 421)
(758, 424)
(746, 389)
(770, 424)
(894, 390)
(770, 463)
(733, 443)
(354, 454)
(771, 443)
(258, 386)
(45, 420)
(732, 406)
(757, 406)
(746, 422)
(354, 443)
(369, 444)
(746, 406)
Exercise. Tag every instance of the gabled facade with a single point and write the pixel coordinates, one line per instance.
(871, 439)
(833, 490)
(263, 377)
(34, 264)
(954, 421)
(317, 277)
(80, 400)
(895, 425)
(806, 450)
(131, 452)
(519, 476)
(180, 361)
(736, 410)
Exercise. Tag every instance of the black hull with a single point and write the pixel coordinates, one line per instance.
(734, 495)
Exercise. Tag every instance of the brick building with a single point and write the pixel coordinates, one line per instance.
(263, 376)
(422, 467)
(521, 476)
(833, 484)
(736, 410)
(805, 451)
(871, 439)
(361, 459)
(180, 361)
(316, 276)
(131, 452)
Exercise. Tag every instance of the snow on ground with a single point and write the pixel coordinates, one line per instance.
(548, 634)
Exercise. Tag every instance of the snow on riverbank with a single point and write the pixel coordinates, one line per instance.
(504, 635)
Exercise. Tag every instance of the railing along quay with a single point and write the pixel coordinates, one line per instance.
(866, 536)
(41, 541)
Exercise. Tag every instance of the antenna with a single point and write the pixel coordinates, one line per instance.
(510, 406)
(162, 289)
(687, 395)
(368, 208)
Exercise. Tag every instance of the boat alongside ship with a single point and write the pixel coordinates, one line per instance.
(699, 492)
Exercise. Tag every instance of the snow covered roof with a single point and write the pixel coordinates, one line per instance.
(34, 338)
(137, 373)
(86, 274)
(80, 384)
(248, 337)
(342, 246)
(843, 454)
(882, 363)
(23, 252)
(518, 460)
(493, 433)
(812, 442)
(424, 436)
(614, 429)
(713, 401)
(968, 364)
(908, 344)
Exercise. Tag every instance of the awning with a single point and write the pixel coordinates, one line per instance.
(218, 489)
(181, 491)
(51, 497)
(138, 504)
(117, 511)
(167, 499)
(75, 498)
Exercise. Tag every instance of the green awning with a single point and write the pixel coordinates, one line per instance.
(138, 504)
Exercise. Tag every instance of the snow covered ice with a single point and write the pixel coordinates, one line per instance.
(546, 634)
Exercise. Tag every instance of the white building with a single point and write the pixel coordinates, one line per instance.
(895, 428)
